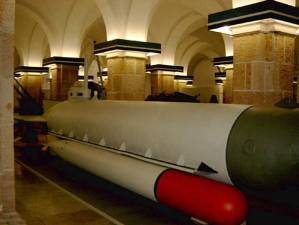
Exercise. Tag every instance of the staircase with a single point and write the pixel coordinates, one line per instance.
(27, 104)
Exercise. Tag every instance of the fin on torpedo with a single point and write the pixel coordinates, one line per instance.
(205, 168)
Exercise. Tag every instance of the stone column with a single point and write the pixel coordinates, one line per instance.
(31, 79)
(224, 66)
(263, 67)
(126, 78)
(162, 78)
(162, 83)
(264, 48)
(126, 60)
(228, 86)
(63, 77)
(220, 91)
(7, 183)
(33, 85)
(64, 73)
(179, 85)
(7, 195)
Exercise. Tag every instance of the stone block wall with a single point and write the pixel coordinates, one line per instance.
(33, 85)
(63, 78)
(228, 87)
(126, 78)
(7, 182)
(263, 68)
(162, 83)
(179, 85)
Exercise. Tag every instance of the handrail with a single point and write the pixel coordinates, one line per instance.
(28, 104)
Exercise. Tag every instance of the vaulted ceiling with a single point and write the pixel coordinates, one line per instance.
(69, 27)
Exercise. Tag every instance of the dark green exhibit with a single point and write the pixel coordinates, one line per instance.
(263, 148)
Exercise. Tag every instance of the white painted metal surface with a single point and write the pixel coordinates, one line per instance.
(178, 133)
(132, 174)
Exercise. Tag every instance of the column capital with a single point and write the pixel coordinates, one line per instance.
(63, 73)
(32, 70)
(164, 69)
(63, 61)
(127, 48)
(264, 16)
(184, 78)
(226, 62)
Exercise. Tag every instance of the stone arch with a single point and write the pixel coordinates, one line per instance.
(127, 19)
(199, 41)
(187, 26)
(202, 69)
(76, 26)
(191, 50)
(37, 46)
(39, 19)
(109, 17)
(139, 19)
(187, 17)
(96, 31)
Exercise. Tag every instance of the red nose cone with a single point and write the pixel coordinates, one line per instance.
(202, 198)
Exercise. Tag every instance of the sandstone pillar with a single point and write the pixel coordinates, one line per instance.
(126, 62)
(7, 195)
(264, 48)
(180, 82)
(31, 79)
(126, 78)
(228, 86)
(7, 183)
(33, 85)
(179, 85)
(64, 73)
(225, 72)
(162, 83)
(263, 67)
(220, 90)
(162, 78)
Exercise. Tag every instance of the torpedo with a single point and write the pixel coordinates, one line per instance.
(187, 156)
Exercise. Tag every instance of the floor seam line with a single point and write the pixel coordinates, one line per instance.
(89, 206)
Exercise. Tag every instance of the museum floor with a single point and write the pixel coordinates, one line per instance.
(45, 197)
(50, 191)
(41, 203)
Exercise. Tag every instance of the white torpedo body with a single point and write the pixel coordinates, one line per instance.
(184, 135)
(180, 154)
